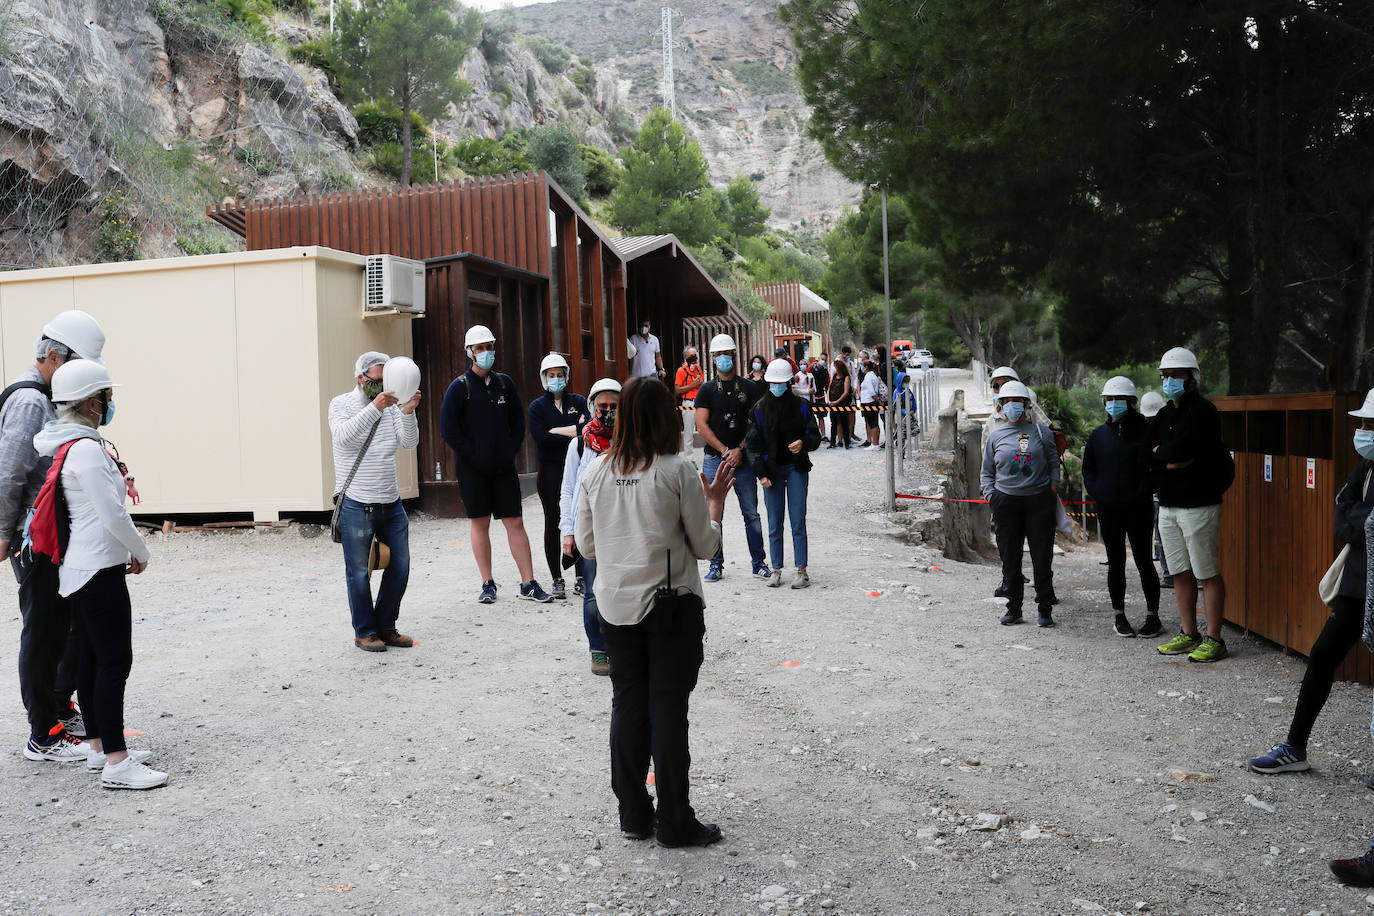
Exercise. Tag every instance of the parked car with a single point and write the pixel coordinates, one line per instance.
(921, 359)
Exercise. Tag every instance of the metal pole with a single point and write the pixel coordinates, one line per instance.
(887, 345)
(331, 17)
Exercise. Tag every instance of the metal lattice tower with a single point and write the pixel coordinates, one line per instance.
(669, 98)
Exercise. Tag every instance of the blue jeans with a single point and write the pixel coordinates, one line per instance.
(789, 485)
(747, 492)
(388, 522)
(591, 619)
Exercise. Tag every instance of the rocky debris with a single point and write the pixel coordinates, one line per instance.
(1183, 774)
(1254, 802)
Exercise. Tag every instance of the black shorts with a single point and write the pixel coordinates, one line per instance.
(490, 495)
(871, 416)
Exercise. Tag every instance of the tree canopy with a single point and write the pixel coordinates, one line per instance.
(664, 186)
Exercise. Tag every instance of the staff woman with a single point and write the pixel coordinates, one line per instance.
(103, 547)
(1020, 480)
(781, 432)
(646, 516)
(556, 418)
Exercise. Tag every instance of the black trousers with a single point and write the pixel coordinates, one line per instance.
(1134, 523)
(654, 666)
(49, 656)
(105, 621)
(548, 482)
(1341, 632)
(1023, 520)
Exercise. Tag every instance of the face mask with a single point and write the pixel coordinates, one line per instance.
(486, 359)
(606, 415)
(1364, 443)
(644, 329)
(1173, 388)
(556, 385)
(1116, 409)
(778, 388)
(108, 417)
(372, 388)
(692, 360)
(758, 367)
(724, 363)
(1013, 410)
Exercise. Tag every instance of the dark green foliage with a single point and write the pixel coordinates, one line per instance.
(552, 53)
(572, 99)
(388, 158)
(312, 53)
(621, 125)
(664, 187)
(120, 236)
(1064, 414)
(498, 31)
(743, 213)
(584, 78)
(556, 149)
(483, 156)
(380, 122)
(603, 174)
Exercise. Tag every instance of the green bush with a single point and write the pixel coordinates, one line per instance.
(260, 162)
(1064, 414)
(334, 178)
(761, 78)
(300, 7)
(195, 243)
(621, 125)
(602, 172)
(551, 52)
(312, 53)
(584, 78)
(380, 122)
(387, 158)
(482, 156)
(571, 99)
(501, 89)
(120, 236)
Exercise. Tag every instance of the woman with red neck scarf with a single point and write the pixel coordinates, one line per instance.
(595, 439)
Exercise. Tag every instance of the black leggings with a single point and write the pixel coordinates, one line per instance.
(1135, 523)
(842, 423)
(549, 483)
(105, 621)
(1340, 634)
(1026, 521)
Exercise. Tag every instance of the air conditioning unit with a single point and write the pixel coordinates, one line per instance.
(394, 284)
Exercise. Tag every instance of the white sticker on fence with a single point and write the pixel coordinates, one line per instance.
(1268, 468)
(1311, 473)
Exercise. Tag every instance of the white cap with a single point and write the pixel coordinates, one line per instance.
(79, 379)
(722, 342)
(1119, 385)
(1179, 358)
(79, 332)
(552, 361)
(1014, 390)
(605, 384)
(1005, 372)
(1152, 403)
(779, 370)
(478, 334)
(368, 360)
(1366, 411)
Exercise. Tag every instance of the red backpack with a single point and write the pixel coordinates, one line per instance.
(50, 525)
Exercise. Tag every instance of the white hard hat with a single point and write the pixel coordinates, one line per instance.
(1005, 372)
(1366, 411)
(79, 379)
(478, 334)
(1153, 402)
(79, 332)
(552, 361)
(1119, 385)
(779, 370)
(1035, 398)
(401, 377)
(605, 384)
(722, 342)
(1179, 358)
(630, 349)
(1014, 390)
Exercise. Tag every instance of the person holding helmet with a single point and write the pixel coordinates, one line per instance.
(686, 384)
(593, 441)
(1116, 476)
(1186, 451)
(483, 421)
(781, 432)
(1020, 481)
(103, 547)
(1347, 620)
(367, 426)
(722, 419)
(556, 419)
(48, 645)
(1150, 406)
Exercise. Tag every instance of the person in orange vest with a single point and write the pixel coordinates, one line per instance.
(685, 386)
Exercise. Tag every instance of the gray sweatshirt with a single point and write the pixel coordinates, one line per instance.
(21, 470)
(1020, 459)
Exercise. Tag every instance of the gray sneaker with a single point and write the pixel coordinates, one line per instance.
(775, 580)
(802, 580)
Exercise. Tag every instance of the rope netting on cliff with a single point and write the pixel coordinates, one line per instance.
(117, 131)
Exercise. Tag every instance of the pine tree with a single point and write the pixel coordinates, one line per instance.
(664, 188)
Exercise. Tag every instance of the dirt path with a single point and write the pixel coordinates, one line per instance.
(470, 775)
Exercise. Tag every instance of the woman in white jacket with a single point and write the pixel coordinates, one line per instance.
(102, 548)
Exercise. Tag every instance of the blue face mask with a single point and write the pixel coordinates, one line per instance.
(556, 385)
(725, 363)
(1364, 443)
(1173, 388)
(486, 359)
(778, 388)
(1116, 409)
(108, 417)
(1013, 410)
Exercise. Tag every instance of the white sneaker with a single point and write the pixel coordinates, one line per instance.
(95, 762)
(130, 774)
(65, 749)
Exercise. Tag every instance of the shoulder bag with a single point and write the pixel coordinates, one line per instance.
(1330, 585)
(335, 531)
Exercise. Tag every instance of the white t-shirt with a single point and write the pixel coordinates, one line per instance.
(645, 350)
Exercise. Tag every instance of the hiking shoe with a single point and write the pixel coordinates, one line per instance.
(601, 664)
(1210, 649)
(761, 571)
(488, 595)
(1151, 626)
(560, 591)
(802, 580)
(1355, 872)
(1181, 644)
(714, 574)
(130, 774)
(1166, 582)
(1282, 758)
(95, 760)
(578, 586)
(530, 591)
(74, 725)
(698, 835)
(1011, 618)
(1123, 628)
(775, 580)
(61, 749)
(396, 639)
(1045, 619)
(1001, 590)
(369, 643)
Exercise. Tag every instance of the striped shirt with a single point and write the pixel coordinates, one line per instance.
(351, 417)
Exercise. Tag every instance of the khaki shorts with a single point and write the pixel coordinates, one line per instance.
(1191, 539)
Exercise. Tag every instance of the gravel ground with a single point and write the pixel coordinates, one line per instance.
(851, 747)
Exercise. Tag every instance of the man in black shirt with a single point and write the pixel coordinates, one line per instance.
(722, 415)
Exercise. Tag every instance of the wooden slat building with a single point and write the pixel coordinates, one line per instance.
(1276, 533)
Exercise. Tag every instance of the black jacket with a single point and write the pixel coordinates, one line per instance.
(765, 443)
(1115, 468)
(1189, 431)
(544, 416)
(483, 423)
(1352, 508)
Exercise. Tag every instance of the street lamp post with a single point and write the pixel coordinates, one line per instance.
(887, 346)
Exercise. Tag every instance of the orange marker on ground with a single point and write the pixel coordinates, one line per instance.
(790, 663)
